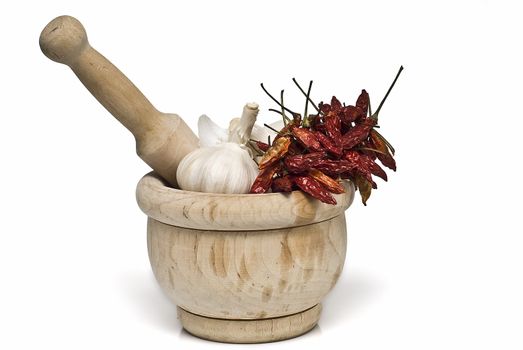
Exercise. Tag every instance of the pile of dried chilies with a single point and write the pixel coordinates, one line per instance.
(312, 153)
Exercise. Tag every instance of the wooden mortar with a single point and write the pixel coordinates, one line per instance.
(246, 268)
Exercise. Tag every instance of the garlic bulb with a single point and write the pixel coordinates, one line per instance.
(218, 166)
(224, 168)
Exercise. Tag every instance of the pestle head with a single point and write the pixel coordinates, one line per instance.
(63, 39)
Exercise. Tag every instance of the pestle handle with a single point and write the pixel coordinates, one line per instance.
(64, 40)
(162, 140)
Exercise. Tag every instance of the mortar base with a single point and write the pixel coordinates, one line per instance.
(250, 331)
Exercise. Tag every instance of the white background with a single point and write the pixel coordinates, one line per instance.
(434, 261)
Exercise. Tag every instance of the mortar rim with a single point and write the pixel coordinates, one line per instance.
(234, 212)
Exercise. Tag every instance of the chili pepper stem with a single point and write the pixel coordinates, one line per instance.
(306, 122)
(308, 97)
(270, 127)
(285, 118)
(275, 100)
(279, 112)
(375, 115)
(255, 148)
(276, 131)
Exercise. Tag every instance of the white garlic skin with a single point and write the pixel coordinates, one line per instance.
(225, 168)
(240, 128)
(209, 133)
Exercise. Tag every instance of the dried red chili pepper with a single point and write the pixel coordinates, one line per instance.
(379, 144)
(350, 114)
(358, 133)
(284, 131)
(296, 118)
(302, 162)
(363, 102)
(328, 144)
(283, 184)
(374, 168)
(335, 105)
(316, 120)
(333, 127)
(334, 167)
(306, 138)
(278, 149)
(367, 149)
(324, 108)
(351, 174)
(329, 183)
(359, 164)
(334, 108)
(365, 188)
(263, 181)
(365, 164)
(263, 146)
(338, 142)
(320, 128)
(315, 189)
(295, 148)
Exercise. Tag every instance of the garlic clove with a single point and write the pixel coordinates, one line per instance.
(210, 133)
(233, 125)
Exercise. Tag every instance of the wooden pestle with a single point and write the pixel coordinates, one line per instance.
(162, 140)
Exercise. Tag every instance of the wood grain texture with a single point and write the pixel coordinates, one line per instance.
(215, 211)
(250, 331)
(239, 265)
(162, 140)
(251, 274)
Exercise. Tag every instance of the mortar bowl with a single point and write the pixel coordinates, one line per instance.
(245, 268)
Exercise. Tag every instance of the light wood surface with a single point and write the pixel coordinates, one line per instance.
(215, 211)
(242, 264)
(162, 140)
(250, 331)
(251, 274)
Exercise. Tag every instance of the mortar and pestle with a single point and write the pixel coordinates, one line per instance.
(245, 268)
